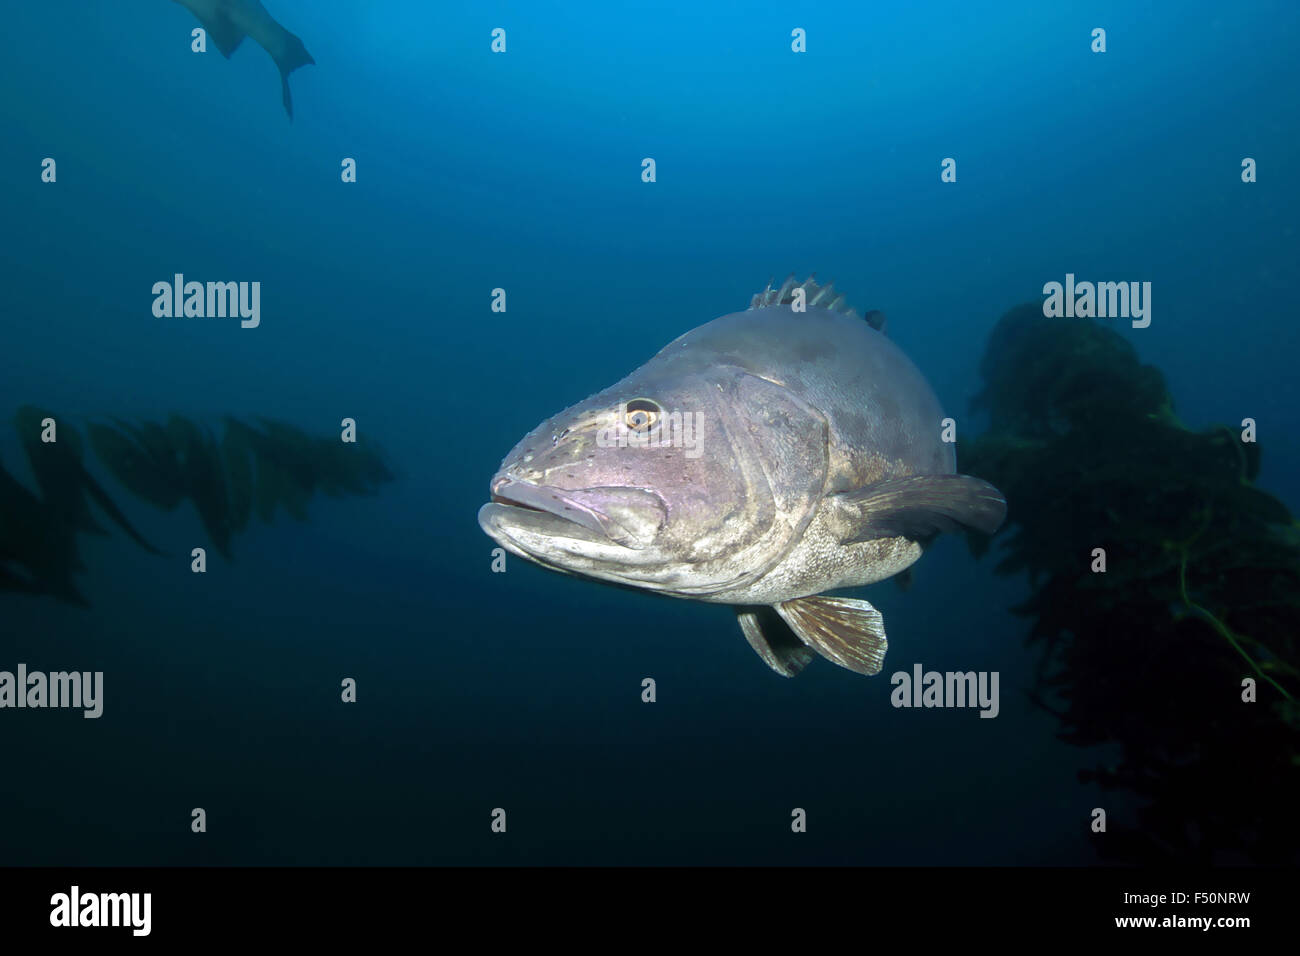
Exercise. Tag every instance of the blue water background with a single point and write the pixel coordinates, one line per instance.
(522, 171)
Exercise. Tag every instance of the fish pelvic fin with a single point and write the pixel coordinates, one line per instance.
(773, 640)
(821, 296)
(847, 631)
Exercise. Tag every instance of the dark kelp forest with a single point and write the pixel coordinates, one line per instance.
(1182, 651)
(253, 468)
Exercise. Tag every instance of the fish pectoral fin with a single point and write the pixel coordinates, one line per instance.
(920, 506)
(848, 631)
(223, 32)
(773, 640)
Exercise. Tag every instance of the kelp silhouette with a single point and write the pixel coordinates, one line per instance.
(1201, 590)
(254, 467)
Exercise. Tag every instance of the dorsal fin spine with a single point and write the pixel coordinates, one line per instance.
(824, 297)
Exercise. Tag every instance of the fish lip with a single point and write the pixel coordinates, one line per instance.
(582, 508)
(527, 496)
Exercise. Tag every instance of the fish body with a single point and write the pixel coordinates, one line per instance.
(758, 460)
(227, 22)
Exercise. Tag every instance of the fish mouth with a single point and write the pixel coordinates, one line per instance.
(524, 512)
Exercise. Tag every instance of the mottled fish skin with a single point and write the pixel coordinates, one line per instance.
(798, 416)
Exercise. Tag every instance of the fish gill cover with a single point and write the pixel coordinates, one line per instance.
(1196, 611)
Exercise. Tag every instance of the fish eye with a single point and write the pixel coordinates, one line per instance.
(642, 414)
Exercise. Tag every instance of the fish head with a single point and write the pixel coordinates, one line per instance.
(689, 483)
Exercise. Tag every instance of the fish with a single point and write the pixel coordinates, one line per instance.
(227, 22)
(761, 460)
